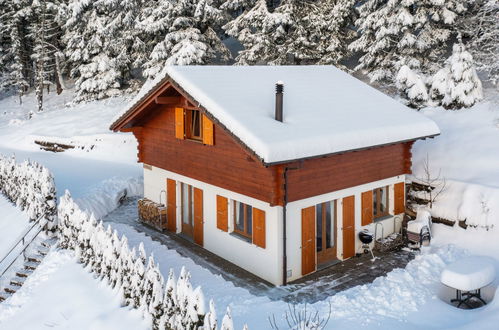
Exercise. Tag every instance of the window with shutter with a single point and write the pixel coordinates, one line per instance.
(222, 213)
(367, 208)
(399, 197)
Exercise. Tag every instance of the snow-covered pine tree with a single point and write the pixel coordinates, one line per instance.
(336, 18)
(457, 85)
(156, 304)
(414, 31)
(45, 31)
(227, 322)
(192, 37)
(289, 35)
(482, 28)
(210, 318)
(412, 87)
(153, 24)
(237, 7)
(170, 305)
(137, 279)
(14, 54)
(197, 304)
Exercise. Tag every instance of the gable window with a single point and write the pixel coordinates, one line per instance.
(380, 202)
(193, 125)
(243, 219)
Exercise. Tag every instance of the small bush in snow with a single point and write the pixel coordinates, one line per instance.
(31, 187)
(412, 87)
(174, 305)
(457, 85)
(302, 319)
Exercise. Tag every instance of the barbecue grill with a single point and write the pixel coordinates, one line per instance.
(366, 237)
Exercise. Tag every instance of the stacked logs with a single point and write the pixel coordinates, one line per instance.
(152, 214)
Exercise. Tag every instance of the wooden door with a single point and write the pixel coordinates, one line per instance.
(399, 192)
(325, 218)
(348, 227)
(308, 240)
(171, 207)
(198, 216)
(187, 209)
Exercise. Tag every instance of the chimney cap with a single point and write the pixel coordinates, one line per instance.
(279, 82)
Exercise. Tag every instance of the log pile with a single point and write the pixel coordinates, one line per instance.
(152, 214)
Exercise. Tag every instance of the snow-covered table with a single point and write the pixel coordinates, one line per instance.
(468, 276)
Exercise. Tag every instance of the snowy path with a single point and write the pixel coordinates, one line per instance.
(61, 294)
(13, 222)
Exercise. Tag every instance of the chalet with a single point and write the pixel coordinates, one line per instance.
(274, 168)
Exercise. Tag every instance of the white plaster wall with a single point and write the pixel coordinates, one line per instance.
(294, 220)
(265, 263)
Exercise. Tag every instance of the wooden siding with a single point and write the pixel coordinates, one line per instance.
(323, 175)
(225, 164)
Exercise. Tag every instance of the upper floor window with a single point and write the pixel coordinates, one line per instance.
(192, 124)
(380, 202)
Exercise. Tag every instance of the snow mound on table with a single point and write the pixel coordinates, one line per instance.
(106, 197)
(471, 273)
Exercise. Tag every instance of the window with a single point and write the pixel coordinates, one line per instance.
(193, 129)
(243, 219)
(380, 202)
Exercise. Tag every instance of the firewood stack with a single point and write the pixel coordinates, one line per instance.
(153, 214)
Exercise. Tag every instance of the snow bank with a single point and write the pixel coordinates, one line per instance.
(61, 294)
(106, 196)
(13, 223)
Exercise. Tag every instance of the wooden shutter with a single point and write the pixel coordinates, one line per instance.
(222, 213)
(259, 227)
(367, 207)
(198, 216)
(348, 227)
(179, 123)
(171, 206)
(207, 131)
(399, 194)
(308, 240)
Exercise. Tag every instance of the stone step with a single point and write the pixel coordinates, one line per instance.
(48, 243)
(42, 250)
(24, 272)
(11, 289)
(31, 265)
(35, 258)
(18, 281)
(4, 296)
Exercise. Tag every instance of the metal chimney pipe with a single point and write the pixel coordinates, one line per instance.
(279, 89)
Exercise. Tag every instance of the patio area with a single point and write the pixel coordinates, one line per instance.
(312, 288)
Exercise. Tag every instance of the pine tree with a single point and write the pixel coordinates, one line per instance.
(413, 32)
(192, 37)
(210, 318)
(412, 87)
(482, 28)
(457, 84)
(227, 322)
(170, 304)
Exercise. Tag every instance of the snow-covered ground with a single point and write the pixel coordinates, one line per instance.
(13, 223)
(467, 153)
(61, 294)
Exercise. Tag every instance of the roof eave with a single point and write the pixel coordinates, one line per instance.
(349, 150)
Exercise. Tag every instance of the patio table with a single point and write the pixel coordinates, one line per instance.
(468, 276)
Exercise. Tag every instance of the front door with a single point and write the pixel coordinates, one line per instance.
(325, 217)
(187, 209)
(307, 240)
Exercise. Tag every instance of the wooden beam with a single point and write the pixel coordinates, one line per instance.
(168, 100)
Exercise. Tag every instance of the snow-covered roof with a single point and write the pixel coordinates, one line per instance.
(325, 109)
